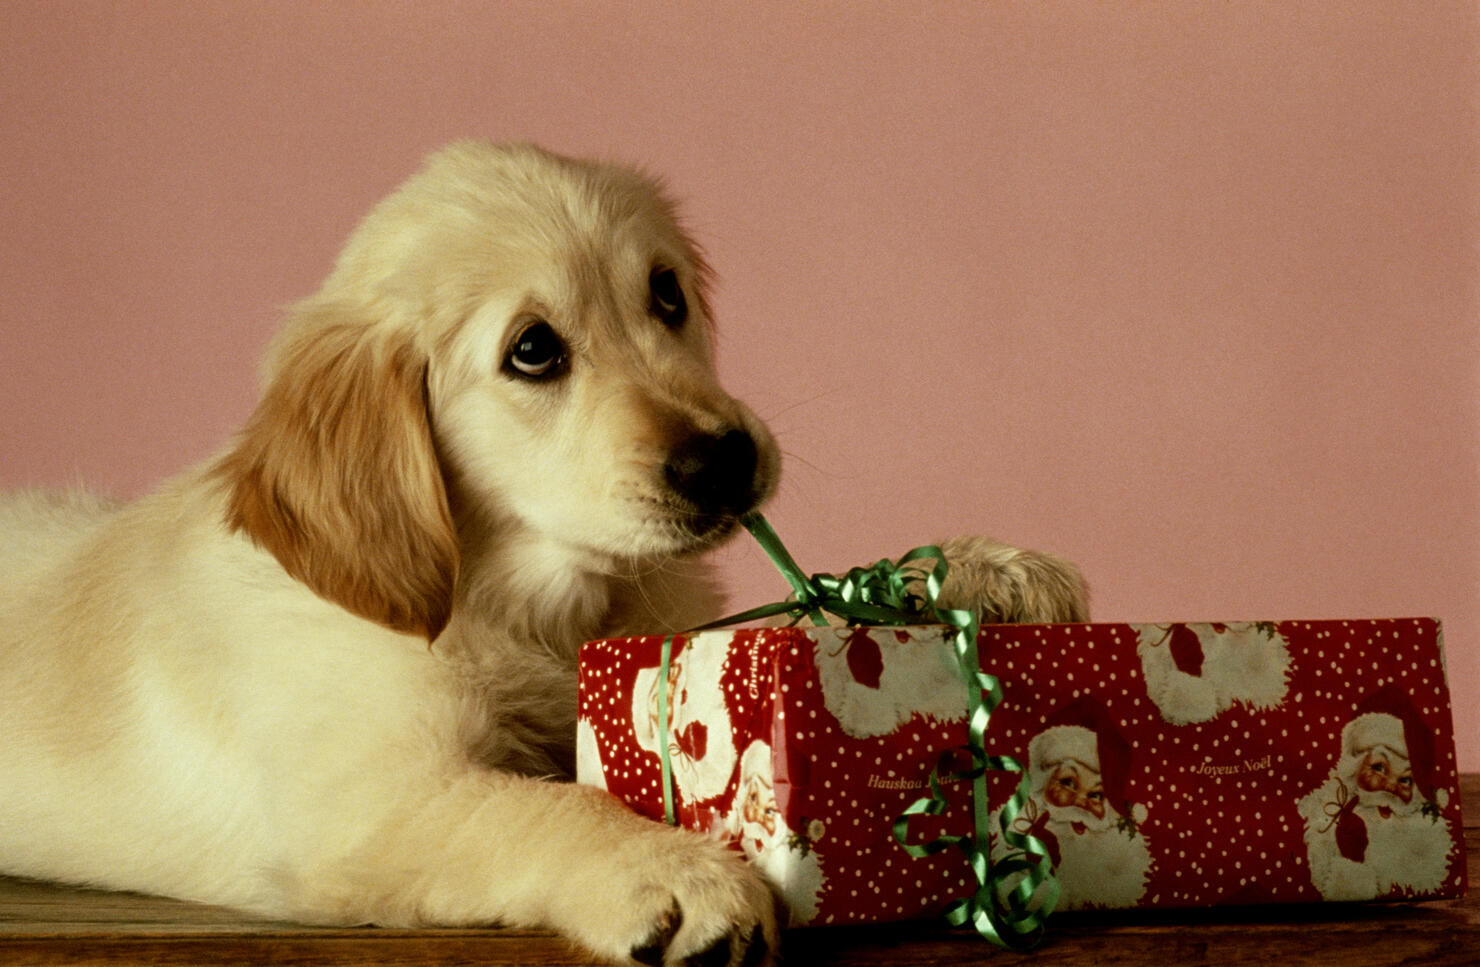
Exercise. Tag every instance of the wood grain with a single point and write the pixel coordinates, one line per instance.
(42, 924)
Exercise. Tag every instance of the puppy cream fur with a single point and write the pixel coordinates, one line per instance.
(328, 674)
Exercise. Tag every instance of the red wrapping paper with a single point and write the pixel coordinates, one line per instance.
(1172, 765)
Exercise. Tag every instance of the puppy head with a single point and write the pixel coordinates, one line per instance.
(513, 341)
(574, 393)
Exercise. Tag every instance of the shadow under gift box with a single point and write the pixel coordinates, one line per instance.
(1171, 765)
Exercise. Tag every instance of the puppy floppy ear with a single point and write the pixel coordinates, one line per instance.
(336, 474)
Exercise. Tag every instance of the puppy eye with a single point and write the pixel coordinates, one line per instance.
(537, 352)
(666, 299)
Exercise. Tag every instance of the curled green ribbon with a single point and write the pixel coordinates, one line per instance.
(884, 593)
(1014, 896)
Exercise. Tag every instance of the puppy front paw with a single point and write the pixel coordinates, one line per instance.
(687, 900)
(734, 948)
(1008, 585)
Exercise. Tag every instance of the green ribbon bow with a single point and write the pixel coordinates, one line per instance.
(899, 593)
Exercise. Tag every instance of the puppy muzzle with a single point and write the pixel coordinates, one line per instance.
(715, 473)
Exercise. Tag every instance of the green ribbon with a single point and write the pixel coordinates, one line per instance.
(898, 593)
(670, 816)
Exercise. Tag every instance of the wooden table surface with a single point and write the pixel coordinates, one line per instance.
(44, 924)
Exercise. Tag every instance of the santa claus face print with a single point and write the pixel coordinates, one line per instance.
(787, 860)
(759, 806)
(1073, 784)
(675, 673)
(1384, 771)
(694, 736)
(757, 816)
(1370, 830)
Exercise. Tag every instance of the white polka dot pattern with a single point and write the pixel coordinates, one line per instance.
(1172, 765)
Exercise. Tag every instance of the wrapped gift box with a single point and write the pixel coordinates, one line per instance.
(1171, 765)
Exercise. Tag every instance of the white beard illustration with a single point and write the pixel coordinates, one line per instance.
(1195, 681)
(1101, 865)
(885, 682)
(589, 770)
(1363, 844)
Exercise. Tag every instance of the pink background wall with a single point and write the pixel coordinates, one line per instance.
(1186, 291)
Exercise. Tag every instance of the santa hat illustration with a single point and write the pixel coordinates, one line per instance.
(1388, 718)
(1084, 732)
(1186, 650)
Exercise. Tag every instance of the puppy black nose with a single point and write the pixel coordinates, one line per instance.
(714, 473)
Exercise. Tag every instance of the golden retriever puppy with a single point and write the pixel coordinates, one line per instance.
(328, 675)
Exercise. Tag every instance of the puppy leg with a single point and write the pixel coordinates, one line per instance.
(1012, 586)
(497, 848)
